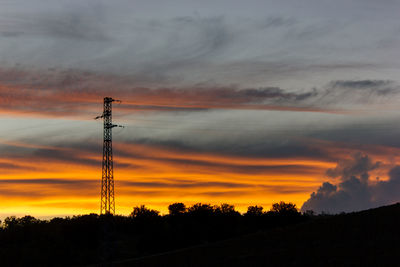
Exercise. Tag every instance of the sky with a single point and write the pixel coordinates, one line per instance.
(240, 102)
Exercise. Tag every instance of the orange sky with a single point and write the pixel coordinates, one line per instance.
(157, 176)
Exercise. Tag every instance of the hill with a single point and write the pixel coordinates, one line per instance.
(366, 238)
(205, 235)
(93, 239)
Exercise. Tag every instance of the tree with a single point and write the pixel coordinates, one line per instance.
(143, 212)
(309, 213)
(284, 208)
(176, 209)
(201, 209)
(254, 211)
(27, 220)
(227, 209)
(10, 222)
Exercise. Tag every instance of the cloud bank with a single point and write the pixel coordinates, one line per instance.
(355, 190)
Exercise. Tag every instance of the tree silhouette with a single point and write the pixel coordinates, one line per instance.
(284, 208)
(226, 209)
(10, 221)
(143, 212)
(201, 209)
(78, 240)
(176, 209)
(254, 211)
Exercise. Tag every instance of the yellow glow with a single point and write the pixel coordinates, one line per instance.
(157, 177)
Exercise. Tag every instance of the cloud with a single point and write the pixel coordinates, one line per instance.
(6, 166)
(355, 190)
(59, 93)
(61, 59)
(183, 48)
(37, 188)
(361, 84)
(84, 24)
(185, 184)
(358, 92)
(49, 181)
(359, 165)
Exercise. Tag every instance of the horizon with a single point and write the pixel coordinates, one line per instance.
(2, 217)
(261, 103)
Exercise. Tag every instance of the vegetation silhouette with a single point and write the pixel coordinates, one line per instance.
(366, 238)
(92, 238)
(207, 233)
(176, 209)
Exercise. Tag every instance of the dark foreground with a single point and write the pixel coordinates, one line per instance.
(206, 236)
(367, 238)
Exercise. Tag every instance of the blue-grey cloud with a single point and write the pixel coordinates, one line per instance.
(366, 84)
(60, 93)
(183, 47)
(355, 191)
(359, 165)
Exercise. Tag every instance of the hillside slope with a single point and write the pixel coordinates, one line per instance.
(367, 238)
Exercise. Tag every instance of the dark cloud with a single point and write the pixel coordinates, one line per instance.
(64, 156)
(67, 152)
(10, 166)
(86, 151)
(223, 193)
(388, 191)
(23, 193)
(184, 184)
(249, 148)
(360, 84)
(48, 181)
(47, 187)
(163, 108)
(358, 92)
(359, 165)
(355, 191)
(58, 92)
(209, 166)
(175, 183)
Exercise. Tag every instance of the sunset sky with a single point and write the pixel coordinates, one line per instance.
(241, 102)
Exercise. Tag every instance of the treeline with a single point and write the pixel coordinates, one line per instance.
(93, 238)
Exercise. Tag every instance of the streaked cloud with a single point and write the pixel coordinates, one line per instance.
(247, 105)
(72, 93)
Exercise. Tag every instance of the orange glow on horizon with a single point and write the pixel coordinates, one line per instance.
(158, 176)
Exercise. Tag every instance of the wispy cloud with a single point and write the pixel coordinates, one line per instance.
(66, 93)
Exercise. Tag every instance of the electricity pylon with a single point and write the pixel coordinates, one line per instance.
(107, 202)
